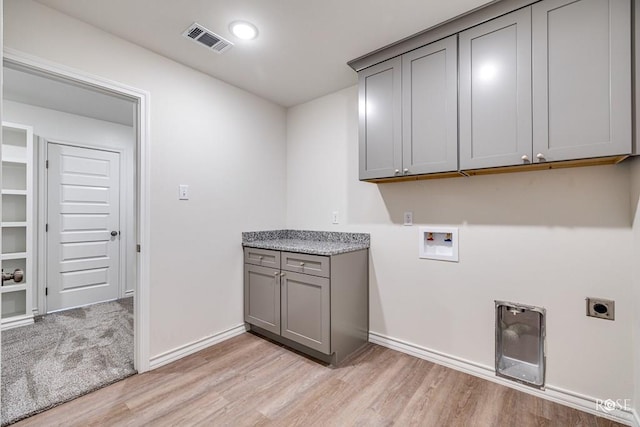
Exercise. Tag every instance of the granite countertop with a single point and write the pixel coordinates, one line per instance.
(307, 242)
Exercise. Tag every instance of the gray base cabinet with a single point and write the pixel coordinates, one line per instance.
(262, 297)
(306, 310)
(315, 304)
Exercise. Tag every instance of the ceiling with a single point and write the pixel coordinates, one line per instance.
(302, 48)
(34, 89)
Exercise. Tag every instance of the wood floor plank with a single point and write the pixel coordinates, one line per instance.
(250, 381)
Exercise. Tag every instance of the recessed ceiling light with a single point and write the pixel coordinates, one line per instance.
(243, 30)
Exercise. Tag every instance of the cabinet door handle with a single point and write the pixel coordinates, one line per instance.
(282, 274)
(276, 273)
(406, 171)
(540, 156)
(397, 171)
(302, 264)
(525, 158)
(260, 257)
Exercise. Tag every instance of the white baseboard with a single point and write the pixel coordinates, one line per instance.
(552, 393)
(195, 346)
(15, 322)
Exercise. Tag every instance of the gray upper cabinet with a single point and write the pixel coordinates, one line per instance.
(430, 109)
(581, 78)
(495, 92)
(537, 83)
(380, 120)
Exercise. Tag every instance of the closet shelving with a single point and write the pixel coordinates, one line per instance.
(17, 223)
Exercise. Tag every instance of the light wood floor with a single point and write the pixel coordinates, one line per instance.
(251, 381)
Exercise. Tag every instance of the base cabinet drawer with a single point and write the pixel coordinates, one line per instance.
(263, 257)
(305, 310)
(316, 265)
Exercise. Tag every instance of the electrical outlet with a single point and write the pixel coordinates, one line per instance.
(408, 218)
(334, 217)
(183, 192)
(601, 308)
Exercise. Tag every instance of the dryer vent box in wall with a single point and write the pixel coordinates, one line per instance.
(440, 243)
(520, 343)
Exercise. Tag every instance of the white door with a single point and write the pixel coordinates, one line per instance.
(83, 216)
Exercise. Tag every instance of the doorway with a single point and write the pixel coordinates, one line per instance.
(88, 274)
(140, 232)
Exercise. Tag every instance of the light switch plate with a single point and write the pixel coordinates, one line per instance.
(408, 218)
(183, 192)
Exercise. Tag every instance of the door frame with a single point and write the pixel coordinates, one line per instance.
(143, 203)
(43, 207)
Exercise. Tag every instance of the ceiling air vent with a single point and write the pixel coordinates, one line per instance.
(209, 39)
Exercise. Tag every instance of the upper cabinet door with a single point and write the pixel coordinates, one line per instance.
(430, 108)
(581, 78)
(495, 92)
(380, 113)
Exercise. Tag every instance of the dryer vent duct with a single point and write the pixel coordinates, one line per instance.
(207, 38)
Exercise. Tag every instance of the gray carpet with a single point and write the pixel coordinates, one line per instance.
(65, 355)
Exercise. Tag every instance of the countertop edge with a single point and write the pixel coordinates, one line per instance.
(280, 247)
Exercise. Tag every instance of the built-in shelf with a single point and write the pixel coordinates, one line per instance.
(14, 224)
(15, 160)
(14, 255)
(17, 227)
(7, 192)
(12, 288)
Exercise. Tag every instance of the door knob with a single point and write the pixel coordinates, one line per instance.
(16, 276)
(114, 233)
(525, 157)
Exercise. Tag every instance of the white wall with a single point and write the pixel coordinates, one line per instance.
(635, 215)
(57, 126)
(548, 238)
(227, 144)
(635, 209)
